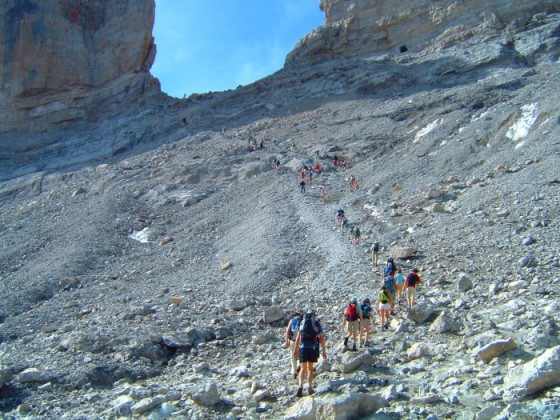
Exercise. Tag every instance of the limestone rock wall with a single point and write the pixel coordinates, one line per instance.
(53, 45)
(361, 27)
(67, 61)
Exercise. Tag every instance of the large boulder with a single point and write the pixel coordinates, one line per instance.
(304, 409)
(494, 349)
(540, 373)
(420, 312)
(350, 406)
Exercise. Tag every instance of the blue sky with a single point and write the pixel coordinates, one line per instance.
(215, 45)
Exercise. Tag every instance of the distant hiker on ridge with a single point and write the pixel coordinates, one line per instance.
(375, 253)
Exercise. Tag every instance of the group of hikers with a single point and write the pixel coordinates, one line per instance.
(305, 336)
(355, 236)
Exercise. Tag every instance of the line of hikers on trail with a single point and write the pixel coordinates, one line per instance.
(305, 337)
(355, 236)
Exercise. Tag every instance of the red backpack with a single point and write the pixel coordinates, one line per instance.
(351, 312)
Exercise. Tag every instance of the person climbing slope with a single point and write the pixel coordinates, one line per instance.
(351, 321)
(306, 347)
(290, 336)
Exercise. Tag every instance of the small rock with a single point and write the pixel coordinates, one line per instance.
(237, 305)
(208, 396)
(147, 404)
(32, 375)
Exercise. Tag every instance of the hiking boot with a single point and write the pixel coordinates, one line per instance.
(386, 326)
(299, 392)
(310, 392)
(345, 341)
(295, 375)
(354, 347)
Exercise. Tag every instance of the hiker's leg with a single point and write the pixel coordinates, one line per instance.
(310, 374)
(294, 358)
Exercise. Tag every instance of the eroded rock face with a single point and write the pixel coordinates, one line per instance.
(362, 27)
(53, 45)
(69, 69)
(62, 60)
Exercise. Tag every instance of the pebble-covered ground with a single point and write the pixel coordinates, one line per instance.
(161, 285)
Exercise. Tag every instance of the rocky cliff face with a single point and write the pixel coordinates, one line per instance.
(363, 27)
(52, 45)
(70, 72)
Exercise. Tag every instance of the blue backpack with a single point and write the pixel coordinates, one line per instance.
(294, 327)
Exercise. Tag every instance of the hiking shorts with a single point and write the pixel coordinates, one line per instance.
(353, 325)
(411, 291)
(309, 354)
(384, 306)
(366, 323)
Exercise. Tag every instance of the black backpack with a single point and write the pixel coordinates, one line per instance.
(309, 330)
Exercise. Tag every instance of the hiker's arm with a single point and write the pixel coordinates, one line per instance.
(296, 344)
(287, 335)
(323, 345)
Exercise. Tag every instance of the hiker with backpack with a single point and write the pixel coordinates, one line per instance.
(390, 267)
(375, 253)
(306, 347)
(351, 321)
(302, 186)
(291, 334)
(412, 280)
(384, 303)
(367, 320)
(357, 237)
(399, 280)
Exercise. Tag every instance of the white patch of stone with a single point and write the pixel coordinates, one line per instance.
(428, 129)
(522, 127)
(142, 236)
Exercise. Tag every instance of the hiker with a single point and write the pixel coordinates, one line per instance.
(391, 287)
(322, 193)
(275, 164)
(390, 267)
(261, 145)
(339, 217)
(343, 164)
(306, 347)
(335, 160)
(291, 334)
(399, 280)
(357, 236)
(410, 283)
(351, 321)
(302, 186)
(353, 183)
(310, 173)
(352, 230)
(384, 304)
(293, 146)
(367, 321)
(303, 174)
(375, 253)
(317, 168)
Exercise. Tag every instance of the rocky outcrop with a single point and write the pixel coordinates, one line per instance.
(364, 27)
(51, 45)
(70, 63)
